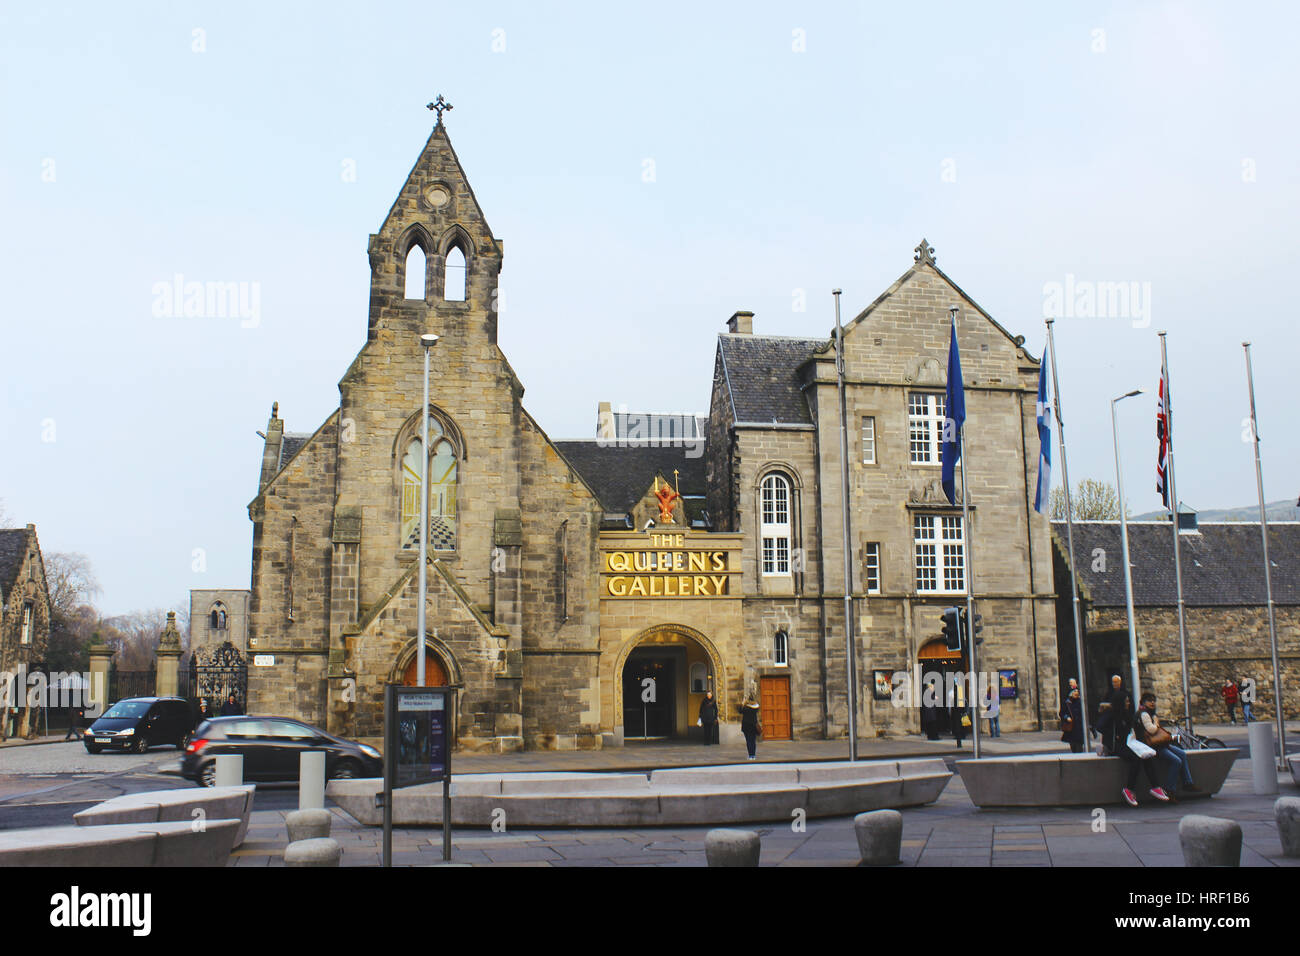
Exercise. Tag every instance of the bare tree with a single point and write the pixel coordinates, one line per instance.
(70, 580)
(1091, 500)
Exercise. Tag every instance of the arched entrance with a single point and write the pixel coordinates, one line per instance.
(660, 680)
(937, 666)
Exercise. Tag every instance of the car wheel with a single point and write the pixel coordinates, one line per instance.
(92, 749)
(346, 770)
(141, 744)
(208, 774)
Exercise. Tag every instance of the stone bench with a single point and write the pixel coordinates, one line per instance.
(1058, 780)
(163, 806)
(175, 843)
(687, 796)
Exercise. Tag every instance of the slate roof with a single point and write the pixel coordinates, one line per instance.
(289, 445)
(13, 548)
(620, 476)
(1223, 564)
(762, 378)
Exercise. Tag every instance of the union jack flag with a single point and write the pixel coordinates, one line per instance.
(1163, 434)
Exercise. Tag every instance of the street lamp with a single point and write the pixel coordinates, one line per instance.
(428, 340)
(1123, 530)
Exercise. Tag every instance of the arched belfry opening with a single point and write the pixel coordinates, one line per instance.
(455, 272)
(416, 272)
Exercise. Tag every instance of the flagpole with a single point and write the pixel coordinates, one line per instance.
(1173, 505)
(851, 658)
(1268, 574)
(1069, 537)
(968, 568)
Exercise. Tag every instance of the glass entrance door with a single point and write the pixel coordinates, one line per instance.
(649, 700)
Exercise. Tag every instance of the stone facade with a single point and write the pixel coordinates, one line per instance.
(24, 623)
(218, 615)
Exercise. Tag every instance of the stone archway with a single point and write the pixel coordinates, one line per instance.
(673, 643)
(438, 662)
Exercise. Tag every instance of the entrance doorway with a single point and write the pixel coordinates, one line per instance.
(435, 675)
(649, 695)
(774, 707)
(937, 664)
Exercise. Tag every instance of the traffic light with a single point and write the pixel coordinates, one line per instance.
(952, 628)
(979, 626)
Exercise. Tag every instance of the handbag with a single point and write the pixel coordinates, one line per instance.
(1138, 747)
(1161, 738)
(965, 720)
(699, 721)
(1067, 724)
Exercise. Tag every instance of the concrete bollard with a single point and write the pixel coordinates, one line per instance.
(320, 852)
(1286, 811)
(880, 837)
(308, 824)
(311, 780)
(230, 770)
(1209, 841)
(1263, 759)
(732, 848)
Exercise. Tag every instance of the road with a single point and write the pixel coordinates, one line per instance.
(45, 785)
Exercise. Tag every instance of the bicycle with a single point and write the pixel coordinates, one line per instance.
(1190, 740)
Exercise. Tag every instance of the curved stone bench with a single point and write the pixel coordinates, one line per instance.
(164, 806)
(687, 796)
(1062, 780)
(176, 843)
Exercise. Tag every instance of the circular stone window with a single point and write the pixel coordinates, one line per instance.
(437, 195)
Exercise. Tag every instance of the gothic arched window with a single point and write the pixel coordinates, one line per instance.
(781, 649)
(442, 491)
(415, 272)
(217, 617)
(454, 275)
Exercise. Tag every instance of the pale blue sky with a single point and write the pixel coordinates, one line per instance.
(1021, 142)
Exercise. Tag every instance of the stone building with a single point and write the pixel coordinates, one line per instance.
(24, 622)
(1225, 611)
(217, 616)
(586, 592)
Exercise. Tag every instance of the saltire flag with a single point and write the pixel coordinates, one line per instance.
(1162, 433)
(955, 416)
(1044, 441)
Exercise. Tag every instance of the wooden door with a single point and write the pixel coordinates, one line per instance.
(774, 707)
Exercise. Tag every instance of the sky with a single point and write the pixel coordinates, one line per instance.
(650, 169)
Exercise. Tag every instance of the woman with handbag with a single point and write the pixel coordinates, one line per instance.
(1072, 722)
(1126, 733)
(1162, 742)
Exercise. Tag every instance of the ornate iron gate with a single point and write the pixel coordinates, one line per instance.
(217, 674)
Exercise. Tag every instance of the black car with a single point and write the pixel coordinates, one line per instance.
(270, 747)
(138, 723)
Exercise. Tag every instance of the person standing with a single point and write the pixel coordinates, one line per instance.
(230, 708)
(993, 710)
(750, 725)
(76, 721)
(709, 718)
(1229, 692)
(1107, 712)
(959, 713)
(1247, 697)
(204, 714)
(1072, 722)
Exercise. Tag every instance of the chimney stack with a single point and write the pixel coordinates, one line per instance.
(741, 323)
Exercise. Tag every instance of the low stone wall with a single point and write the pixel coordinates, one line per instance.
(164, 806)
(742, 793)
(176, 843)
(1055, 780)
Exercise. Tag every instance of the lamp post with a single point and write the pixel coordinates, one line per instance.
(1123, 530)
(851, 658)
(428, 340)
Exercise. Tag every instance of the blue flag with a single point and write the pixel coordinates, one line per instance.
(955, 416)
(1044, 441)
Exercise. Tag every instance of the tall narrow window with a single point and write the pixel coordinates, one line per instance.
(868, 439)
(442, 492)
(872, 563)
(415, 272)
(454, 276)
(27, 624)
(781, 649)
(217, 618)
(774, 525)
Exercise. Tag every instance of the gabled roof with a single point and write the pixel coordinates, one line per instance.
(289, 445)
(620, 476)
(13, 548)
(1222, 564)
(761, 377)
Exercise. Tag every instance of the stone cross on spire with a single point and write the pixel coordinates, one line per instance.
(438, 106)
